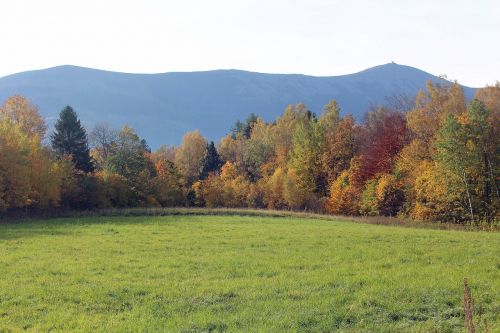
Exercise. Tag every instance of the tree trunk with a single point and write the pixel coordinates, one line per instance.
(493, 180)
(468, 195)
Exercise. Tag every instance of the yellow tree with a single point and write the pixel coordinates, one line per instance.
(228, 189)
(428, 115)
(434, 197)
(189, 156)
(346, 190)
(305, 156)
(210, 191)
(168, 185)
(340, 147)
(382, 196)
(283, 131)
(22, 112)
(490, 96)
(14, 166)
(273, 189)
(28, 177)
(234, 186)
(431, 108)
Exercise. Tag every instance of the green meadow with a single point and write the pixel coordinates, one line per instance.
(241, 274)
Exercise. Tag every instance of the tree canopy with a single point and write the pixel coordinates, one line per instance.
(434, 157)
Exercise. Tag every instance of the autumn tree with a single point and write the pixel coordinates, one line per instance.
(22, 112)
(305, 156)
(274, 188)
(234, 186)
(436, 197)
(208, 192)
(385, 136)
(490, 97)
(29, 178)
(232, 150)
(168, 184)
(283, 191)
(424, 120)
(464, 151)
(382, 195)
(14, 166)
(340, 146)
(346, 190)
(228, 189)
(330, 118)
(283, 131)
(432, 106)
(189, 156)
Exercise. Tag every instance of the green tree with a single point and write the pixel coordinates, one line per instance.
(243, 130)
(483, 147)
(129, 159)
(305, 156)
(128, 156)
(466, 150)
(455, 158)
(259, 149)
(330, 118)
(70, 138)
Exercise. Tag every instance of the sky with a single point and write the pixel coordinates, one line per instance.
(457, 38)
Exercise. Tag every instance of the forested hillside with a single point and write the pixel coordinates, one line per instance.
(162, 107)
(434, 157)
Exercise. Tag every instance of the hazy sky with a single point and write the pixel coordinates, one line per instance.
(320, 37)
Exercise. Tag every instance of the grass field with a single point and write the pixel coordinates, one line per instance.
(248, 274)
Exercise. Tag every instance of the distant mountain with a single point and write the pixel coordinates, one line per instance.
(162, 107)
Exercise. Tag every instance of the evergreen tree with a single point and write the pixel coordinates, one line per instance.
(211, 161)
(70, 138)
(244, 130)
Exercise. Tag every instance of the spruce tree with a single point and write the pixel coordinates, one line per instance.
(211, 161)
(70, 138)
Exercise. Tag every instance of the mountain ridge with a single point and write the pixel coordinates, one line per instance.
(163, 106)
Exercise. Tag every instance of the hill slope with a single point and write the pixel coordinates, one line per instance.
(162, 107)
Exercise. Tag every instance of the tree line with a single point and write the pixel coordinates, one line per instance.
(433, 157)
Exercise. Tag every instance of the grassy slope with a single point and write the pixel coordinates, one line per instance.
(213, 273)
